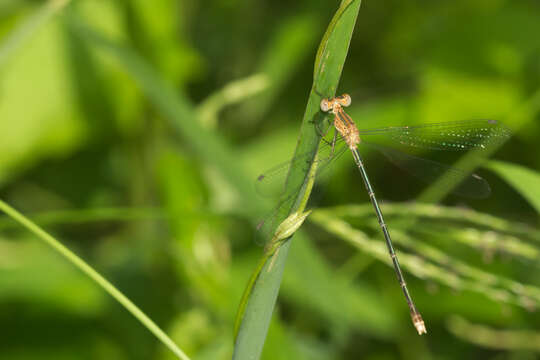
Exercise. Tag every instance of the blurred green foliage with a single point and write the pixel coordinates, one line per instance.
(101, 107)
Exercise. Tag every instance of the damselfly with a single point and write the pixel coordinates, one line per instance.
(453, 136)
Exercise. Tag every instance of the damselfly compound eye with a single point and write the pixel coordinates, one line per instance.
(324, 105)
(345, 100)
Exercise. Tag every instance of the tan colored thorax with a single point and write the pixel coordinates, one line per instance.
(345, 126)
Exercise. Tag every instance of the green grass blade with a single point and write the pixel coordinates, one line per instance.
(232, 93)
(81, 216)
(439, 212)
(24, 31)
(491, 338)
(258, 304)
(95, 276)
(474, 229)
(525, 181)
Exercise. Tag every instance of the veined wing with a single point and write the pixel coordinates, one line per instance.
(272, 183)
(451, 136)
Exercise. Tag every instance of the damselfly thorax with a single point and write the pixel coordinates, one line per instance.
(342, 121)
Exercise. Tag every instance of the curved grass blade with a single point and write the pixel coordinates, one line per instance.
(525, 181)
(492, 338)
(437, 213)
(96, 277)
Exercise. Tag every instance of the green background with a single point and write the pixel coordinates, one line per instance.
(133, 131)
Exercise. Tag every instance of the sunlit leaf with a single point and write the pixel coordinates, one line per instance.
(524, 181)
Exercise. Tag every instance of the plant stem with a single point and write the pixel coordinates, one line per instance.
(94, 275)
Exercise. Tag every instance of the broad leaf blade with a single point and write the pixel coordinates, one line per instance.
(525, 181)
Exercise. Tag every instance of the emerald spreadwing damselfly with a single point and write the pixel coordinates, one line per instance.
(449, 136)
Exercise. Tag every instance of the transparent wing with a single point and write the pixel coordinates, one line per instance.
(452, 136)
(272, 183)
(469, 185)
(449, 136)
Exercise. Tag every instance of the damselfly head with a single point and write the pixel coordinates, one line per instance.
(335, 103)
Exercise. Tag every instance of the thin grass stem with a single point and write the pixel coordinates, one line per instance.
(95, 276)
